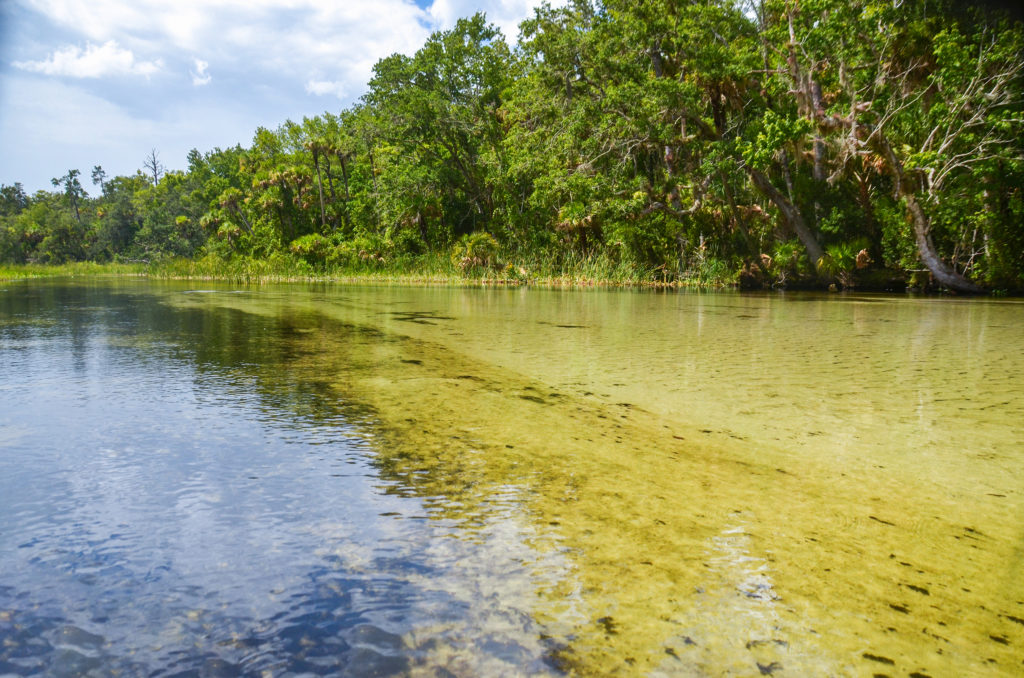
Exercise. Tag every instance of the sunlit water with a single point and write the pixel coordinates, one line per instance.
(374, 481)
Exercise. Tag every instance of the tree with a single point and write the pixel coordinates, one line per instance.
(13, 199)
(315, 142)
(944, 120)
(764, 138)
(73, 190)
(99, 177)
(438, 111)
(153, 166)
(932, 93)
(120, 214)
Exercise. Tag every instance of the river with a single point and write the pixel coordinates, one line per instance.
(213, 480)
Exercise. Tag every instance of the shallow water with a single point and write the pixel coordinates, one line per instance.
(339, 480)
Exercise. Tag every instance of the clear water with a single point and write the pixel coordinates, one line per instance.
(337, 480)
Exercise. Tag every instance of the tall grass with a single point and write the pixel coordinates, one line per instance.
(709, 272)
(285, 267)
(557, 269)
(78, 268)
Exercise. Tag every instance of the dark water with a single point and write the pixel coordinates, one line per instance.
(174, 502)
(377, 481)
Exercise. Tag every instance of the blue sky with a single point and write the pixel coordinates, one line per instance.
(101, 82)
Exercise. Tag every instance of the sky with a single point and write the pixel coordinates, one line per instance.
(103, 82)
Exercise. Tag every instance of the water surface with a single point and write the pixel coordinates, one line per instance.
(335, 480)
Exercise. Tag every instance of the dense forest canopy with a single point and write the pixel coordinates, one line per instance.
(766, 142)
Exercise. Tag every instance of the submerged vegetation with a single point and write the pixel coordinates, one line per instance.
(863, 143)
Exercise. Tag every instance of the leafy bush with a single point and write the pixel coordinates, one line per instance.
(842, 259)
(475, 250)
(314, 248)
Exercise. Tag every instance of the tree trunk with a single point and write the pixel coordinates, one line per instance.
(241, 215)
(373, 173)
(330, 182)
(287, 223)
(940, 270)
(737, 215)
(376, 199)
(422, 223)
(320, 189)
(870, 222)
(344, 175)
(791, 213)
(819, 146)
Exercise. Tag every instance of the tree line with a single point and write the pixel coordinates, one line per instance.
(768, 142)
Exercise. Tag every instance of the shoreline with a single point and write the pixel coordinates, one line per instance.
(257, 272)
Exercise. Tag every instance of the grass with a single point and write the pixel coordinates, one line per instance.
(78, 268)
(434, 268)
(572, 270)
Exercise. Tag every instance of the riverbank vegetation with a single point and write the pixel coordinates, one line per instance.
(825, 142)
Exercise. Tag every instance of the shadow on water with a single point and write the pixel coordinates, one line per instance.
(412, 510)
(271, 537)
(419, 317)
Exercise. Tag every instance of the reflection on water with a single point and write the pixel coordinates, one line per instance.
(387, 481)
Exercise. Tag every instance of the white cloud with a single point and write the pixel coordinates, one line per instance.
(322, 87)
(92, 62)
(273, 58)
(42, 138)
(200, 76)
(312, 42)
(49, 126)
(505, 14)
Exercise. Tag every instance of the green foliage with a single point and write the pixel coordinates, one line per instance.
(711, 272)
(312, 247)
(13, 199)
(474, 251)
(654, 141)
(436, 132)
(788, 258)
(842, 259)
(898, 248)
(78, 268)
(773, 134)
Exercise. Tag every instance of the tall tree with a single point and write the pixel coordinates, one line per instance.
(13, 199)
(73, 190)
(439, 109)
(99, 177)
(153, 166)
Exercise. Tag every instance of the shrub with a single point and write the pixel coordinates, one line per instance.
(475, 250)
(314, 248)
